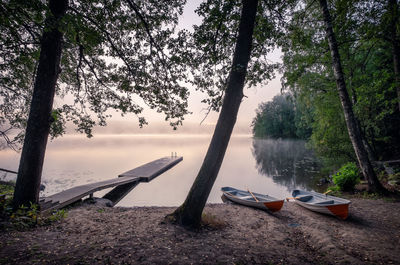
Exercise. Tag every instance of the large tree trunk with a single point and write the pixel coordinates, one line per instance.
(394, 39)
(353, 130)
(189, 213)
(38, 126)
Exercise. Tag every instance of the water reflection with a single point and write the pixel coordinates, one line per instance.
(287, 162)
(75, 160)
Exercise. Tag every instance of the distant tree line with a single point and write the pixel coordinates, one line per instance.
(281, 118)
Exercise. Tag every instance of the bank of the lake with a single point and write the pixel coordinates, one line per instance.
(96, 235)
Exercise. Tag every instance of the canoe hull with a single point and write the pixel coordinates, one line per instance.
(339, 210)
(274, 206)
(321, 203)
(265, 202)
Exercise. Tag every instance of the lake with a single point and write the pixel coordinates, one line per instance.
(273, 167)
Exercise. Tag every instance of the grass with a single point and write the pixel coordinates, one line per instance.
(6, 190)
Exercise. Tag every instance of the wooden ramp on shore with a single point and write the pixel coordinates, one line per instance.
(123, 185)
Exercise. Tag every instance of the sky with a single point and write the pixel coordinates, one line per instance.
(253, 97)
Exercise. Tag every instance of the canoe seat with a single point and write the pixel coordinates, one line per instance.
(326, 202)
(304, 198)
(247, 197)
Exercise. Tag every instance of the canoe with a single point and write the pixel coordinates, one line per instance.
(322, 203)
(246, 198)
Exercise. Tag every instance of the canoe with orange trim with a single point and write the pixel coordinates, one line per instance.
(246, 198)
(322, 203)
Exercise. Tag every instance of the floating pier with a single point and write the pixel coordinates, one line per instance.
(123, 185)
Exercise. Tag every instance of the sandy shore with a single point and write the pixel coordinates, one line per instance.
(95, 235)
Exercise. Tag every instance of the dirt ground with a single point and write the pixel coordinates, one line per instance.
(96, 235)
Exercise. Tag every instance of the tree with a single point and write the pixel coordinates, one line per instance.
(366, 57)
(308, 77)
(112, 53)
(393, 10)
(279, 118)
(353, 130)
(227, 29)
(38, 127)
(123, 52)
(189, 213)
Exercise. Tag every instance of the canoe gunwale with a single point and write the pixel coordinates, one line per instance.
(273, 204)
(339, 208)
(318, 198)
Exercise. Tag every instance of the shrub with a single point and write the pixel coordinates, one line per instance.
(24, 217)
(394, 179)
(347, 177)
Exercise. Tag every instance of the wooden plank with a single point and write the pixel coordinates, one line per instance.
(74, 194)
(146, 172)
(149, 171)
(127, 181)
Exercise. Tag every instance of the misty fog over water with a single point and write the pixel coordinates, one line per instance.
(273, 167)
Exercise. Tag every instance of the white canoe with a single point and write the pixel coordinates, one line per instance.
(246, 198)
(322, 203)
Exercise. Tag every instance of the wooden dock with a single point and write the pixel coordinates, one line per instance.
(123, 185)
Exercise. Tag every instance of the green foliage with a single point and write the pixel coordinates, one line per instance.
(116, 55)
(303, 119)
(28, 217)
(329, 132)
(278, 119)
(347, 177)
(6, 193)
(394, 178)
(57, 126)
(6, 190)
(213, 42)
(55, 216)
(361, 28)
(24, 217)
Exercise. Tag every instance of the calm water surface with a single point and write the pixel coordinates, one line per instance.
(273, 167)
